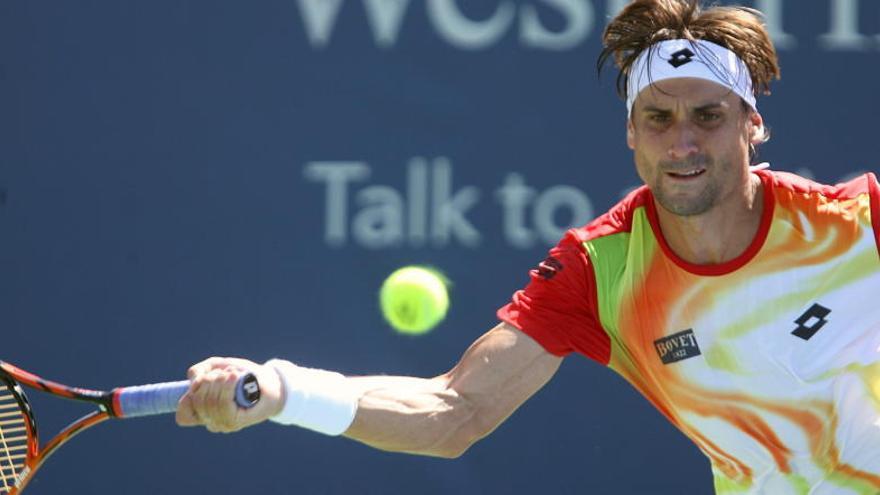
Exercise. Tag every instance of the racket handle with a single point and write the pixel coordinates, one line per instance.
(162, 398)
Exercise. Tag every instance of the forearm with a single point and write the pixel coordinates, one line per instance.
(439, 416)
(394, 413)
(413, 415)
(444, 416)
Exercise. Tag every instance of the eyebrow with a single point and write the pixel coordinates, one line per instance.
(651, 108)
(702, 108)
(710, 106)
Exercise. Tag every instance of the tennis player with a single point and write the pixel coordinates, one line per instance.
(737, 299)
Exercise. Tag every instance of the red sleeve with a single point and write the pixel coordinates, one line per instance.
(559, 307)
(874, 191)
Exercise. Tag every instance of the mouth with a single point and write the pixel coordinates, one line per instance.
(687, 175)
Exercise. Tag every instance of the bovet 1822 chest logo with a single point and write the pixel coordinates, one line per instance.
(678, 346)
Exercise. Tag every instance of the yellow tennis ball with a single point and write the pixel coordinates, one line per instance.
(414, 299)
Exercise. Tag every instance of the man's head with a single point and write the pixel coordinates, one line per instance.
(690, 77)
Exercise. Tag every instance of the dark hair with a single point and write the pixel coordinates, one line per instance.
(643, 23)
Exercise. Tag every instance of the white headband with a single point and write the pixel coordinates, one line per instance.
(684, 58)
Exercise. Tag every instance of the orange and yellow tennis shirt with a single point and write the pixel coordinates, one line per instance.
(770, 363)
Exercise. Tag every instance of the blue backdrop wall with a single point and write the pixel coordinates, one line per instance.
(187, 178)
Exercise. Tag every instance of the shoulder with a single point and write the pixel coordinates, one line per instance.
(570, 266)
(856, 198)
(618, 219)
(601, 237)
(786, 182)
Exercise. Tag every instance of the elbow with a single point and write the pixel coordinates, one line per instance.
(467, 428)
(450, 454)
(452, 450)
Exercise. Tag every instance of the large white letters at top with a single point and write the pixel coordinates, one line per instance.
(386, 18)
(772, 10)
(578, 16)
(844, 33)
(319, 18)
(454, 27)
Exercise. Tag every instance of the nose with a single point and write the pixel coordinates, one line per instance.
(684, 142)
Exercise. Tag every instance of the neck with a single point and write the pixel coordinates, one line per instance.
(720, 234)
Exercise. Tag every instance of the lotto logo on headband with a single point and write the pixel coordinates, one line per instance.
(672, 59)
(681, 57)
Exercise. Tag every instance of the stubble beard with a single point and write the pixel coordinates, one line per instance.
(693, 202)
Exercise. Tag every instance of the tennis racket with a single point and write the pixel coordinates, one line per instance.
(20, 452)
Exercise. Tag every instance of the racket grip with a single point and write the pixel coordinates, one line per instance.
(162, 398)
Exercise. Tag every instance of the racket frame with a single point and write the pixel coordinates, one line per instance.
(13, 377)
(121, 402)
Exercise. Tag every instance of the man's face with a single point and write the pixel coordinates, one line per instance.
(691, 138)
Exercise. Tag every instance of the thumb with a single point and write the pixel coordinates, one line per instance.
(186, 414)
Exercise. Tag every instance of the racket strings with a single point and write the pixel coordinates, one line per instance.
(13, 441)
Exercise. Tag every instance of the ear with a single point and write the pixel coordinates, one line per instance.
(630, 135)
(757, 131)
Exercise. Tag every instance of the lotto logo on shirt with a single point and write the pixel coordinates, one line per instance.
(678, 346)
(548, 268)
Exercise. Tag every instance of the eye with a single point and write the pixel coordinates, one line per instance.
(709, 116)
(659, 118)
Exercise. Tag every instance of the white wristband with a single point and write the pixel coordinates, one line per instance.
(316, 399)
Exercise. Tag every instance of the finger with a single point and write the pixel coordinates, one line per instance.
(220, 428)
(207, 365)
(229, 414)
(214, 383)
(199, 391)
(213, 404)
(186, 415)
(211, 398)
(226, 393)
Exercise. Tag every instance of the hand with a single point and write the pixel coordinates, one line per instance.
(210, 401)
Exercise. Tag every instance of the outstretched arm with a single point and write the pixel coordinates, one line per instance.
(439, 416)
(445, 415)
